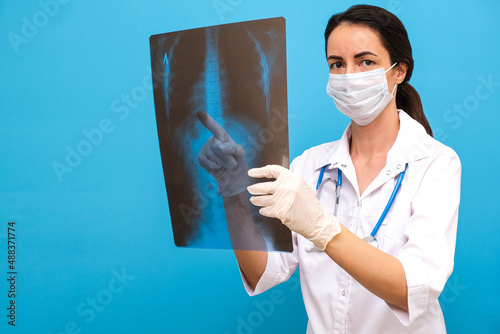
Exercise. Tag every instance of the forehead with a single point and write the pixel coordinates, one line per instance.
(350, 39)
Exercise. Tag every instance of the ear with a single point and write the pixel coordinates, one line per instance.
(401, 72)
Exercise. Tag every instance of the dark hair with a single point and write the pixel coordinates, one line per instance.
(395, 39)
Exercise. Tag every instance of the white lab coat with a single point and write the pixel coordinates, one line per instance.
(420, 230)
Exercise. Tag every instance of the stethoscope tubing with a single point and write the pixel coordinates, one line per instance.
(337, 193)
(389, 204)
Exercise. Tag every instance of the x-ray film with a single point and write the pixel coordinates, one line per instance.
(221, 108)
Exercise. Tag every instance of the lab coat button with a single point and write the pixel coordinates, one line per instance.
(344, 165)
(388, 172)
(398, 166)
(343, 292)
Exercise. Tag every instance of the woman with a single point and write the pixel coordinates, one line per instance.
(391, 284)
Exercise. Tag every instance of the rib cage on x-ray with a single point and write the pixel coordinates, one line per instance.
(237, 74)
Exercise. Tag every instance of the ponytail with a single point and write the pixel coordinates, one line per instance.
(408, 99)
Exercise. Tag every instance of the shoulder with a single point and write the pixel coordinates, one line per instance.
(313, 157)
(445, 151)
(443, 160)
(434, 165)
(415, 146)
(435, 152)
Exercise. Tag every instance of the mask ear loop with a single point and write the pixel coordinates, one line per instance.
(394, 89)
(395, 85)
(390, 68)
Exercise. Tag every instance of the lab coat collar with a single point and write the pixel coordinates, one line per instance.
(339, 157)
(412, 144)
(339, 154)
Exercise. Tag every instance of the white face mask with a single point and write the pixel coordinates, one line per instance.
(360, 96)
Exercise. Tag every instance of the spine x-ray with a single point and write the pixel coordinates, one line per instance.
(221, 108)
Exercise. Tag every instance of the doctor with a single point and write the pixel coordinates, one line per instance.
(350, 285)
(373, 215)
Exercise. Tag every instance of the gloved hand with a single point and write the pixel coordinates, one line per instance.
(223, 158)
(293, 201)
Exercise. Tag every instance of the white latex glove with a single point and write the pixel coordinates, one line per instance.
(223, 158)
(293, 201)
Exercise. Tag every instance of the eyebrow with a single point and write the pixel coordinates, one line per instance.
(364, 53)
(357, 55)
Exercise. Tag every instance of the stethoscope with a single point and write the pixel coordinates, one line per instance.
(371, 239)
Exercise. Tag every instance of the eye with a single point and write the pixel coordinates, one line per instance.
(336, 65)
(367, 62)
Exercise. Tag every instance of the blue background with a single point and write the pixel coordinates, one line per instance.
(77, 230)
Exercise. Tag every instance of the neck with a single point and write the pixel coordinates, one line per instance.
(375, 139)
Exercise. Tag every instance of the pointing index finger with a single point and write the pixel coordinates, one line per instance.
(212, 126)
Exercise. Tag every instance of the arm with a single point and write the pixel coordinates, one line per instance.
(292, 200)
(380, 273)
(246, 238)
(410, 281)
(225, 160)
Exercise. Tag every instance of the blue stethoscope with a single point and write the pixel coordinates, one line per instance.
(371, 238)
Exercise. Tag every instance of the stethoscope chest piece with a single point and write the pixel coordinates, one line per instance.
(371, 240)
